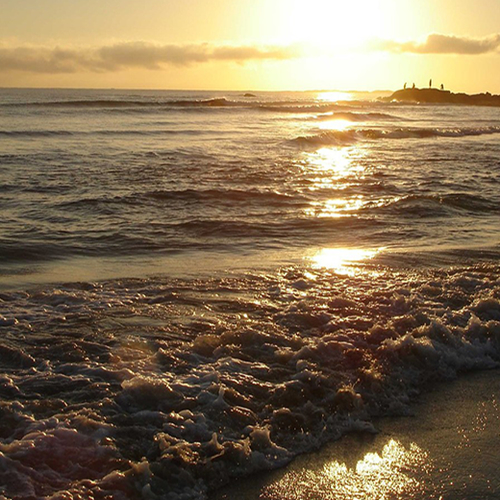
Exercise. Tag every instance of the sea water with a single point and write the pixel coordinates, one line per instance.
(196, 286)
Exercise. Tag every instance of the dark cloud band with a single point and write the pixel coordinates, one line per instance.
(145, 55)
(133, 55)
(442, 44)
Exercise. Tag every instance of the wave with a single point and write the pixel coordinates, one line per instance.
(358, 117)
(123, 103)
(179, 233)
(281, 106)
(430, 204)
(54, 247)
(223, 195)
(301, 108)
(151, 132)
(35, 133)
(124, 132)
(328, 138)
(217, 196)
(339, 137)
(214, 102)
(270, 233)
(469, 202)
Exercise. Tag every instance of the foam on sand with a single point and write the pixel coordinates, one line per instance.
(174, 388)
(448, 451)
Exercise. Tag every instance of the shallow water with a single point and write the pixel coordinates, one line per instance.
(446, 450)
(198, 286)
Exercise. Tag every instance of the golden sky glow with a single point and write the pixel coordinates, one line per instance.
(330, 25)
(251, 44)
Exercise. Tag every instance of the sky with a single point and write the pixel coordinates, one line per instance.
(251, 44)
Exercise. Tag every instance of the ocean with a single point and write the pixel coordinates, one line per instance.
(200, 286)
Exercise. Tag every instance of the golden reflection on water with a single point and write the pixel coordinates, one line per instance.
(338, 124)
(377, 476)
(336, 163)
(343, 260)
(336, 208)
(334, 169)
(334, 96)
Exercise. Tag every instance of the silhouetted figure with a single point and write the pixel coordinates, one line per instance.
(404, 86)
(430, 83)
(413, 86)
(442, 87)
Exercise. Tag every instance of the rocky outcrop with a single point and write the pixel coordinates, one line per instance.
(444, 97)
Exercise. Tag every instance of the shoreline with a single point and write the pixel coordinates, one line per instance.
(448, 449)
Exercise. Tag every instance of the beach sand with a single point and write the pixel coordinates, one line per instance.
(449, 449)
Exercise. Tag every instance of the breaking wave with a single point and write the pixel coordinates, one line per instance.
(174, 387)
(282, 106)
(357, 117)
(121, 103)
(339, 137)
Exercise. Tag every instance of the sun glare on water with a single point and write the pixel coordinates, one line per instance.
(342, 260)
(335, 124)
(385, 475)
(334, 96)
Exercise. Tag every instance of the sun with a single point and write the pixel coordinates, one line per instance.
(333, 25)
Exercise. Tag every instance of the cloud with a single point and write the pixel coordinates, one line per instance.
(151, 56)
(143, 55)
(442, 44)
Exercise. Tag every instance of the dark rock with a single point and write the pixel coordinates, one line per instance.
(435, 96)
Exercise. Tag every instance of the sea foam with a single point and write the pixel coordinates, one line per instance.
(171, 388)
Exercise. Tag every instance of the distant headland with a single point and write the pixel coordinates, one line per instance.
(437, 96)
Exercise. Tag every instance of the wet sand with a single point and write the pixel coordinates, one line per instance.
(449, 449)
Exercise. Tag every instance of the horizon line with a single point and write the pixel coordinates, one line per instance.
(196, 90)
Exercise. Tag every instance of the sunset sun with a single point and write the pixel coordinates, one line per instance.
(332, 25)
